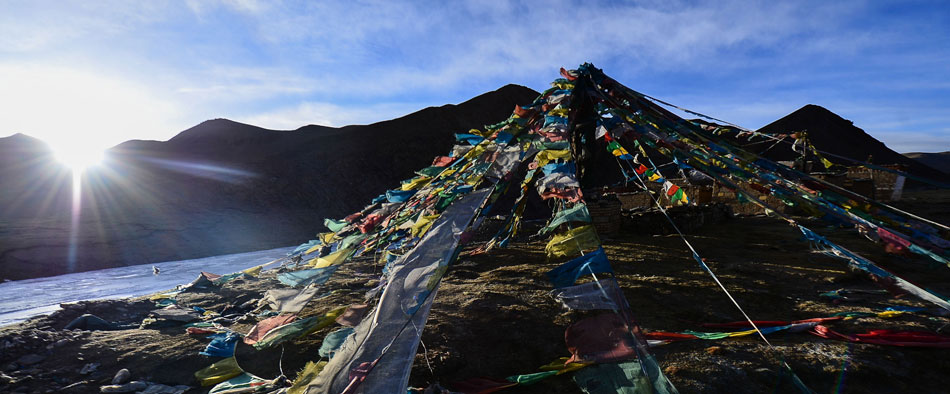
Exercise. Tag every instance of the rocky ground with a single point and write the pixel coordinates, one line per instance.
(494, 317)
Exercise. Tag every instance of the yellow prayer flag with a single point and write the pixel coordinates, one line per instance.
(561, 368)
(218, 372)
(415, 183)
(326, 238)
(331, 259)
(253, 271)
(422, 225)
(327, 319)
(310, 371)
(314, 248)
(573, 242)
(546, 156)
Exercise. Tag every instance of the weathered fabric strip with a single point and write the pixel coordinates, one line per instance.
(573, 242)
(287, 300)
(381, 350)
(306, 277)
(577, 213)
(588, 296)
(624, 378)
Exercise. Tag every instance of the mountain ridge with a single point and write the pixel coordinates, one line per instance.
(224, 187)
(936, 160)
(829, 132)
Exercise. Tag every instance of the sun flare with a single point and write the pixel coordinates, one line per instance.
(78, 158)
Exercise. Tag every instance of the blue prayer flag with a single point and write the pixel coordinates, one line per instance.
(399, 195)
(222, 345)
(470, 139)
(306, 277)
(566, 274)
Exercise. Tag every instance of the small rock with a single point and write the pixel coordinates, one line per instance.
(30, 359)
(88, 368)
(122, 376)
(75, 386)
(124, 388)
(22, 380)
(61, 342)
(715, 350)
(11, 367)
(5, 379)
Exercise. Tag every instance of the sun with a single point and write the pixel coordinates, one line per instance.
(78, 158)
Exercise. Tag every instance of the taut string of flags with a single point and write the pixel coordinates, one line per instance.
(418, 229)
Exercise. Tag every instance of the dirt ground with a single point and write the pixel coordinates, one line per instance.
(494, 317)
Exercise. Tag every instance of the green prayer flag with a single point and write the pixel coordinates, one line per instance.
(625, 378)
(334, 225)
(577, 213)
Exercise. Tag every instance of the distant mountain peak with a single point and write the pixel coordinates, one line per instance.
(22, 142)
(22, 138)
(829, 132)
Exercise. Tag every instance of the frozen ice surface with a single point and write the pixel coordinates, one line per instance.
(22, 299)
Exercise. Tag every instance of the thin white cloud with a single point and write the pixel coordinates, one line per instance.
(914, 141)
(247, 84)
(326, 114)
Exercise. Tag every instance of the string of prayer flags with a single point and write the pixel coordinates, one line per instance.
(888, 337)
(618, 151)
(675, 193)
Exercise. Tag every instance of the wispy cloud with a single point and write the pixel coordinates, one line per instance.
(293, 62)
(326, 114)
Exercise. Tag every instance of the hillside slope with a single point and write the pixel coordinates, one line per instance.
(219, 187)
(939, 161)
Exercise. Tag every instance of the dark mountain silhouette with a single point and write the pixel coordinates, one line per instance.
(219, 187)
(939, 161)
(831, 133)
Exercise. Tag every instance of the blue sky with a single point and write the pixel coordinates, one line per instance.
(93, 74)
